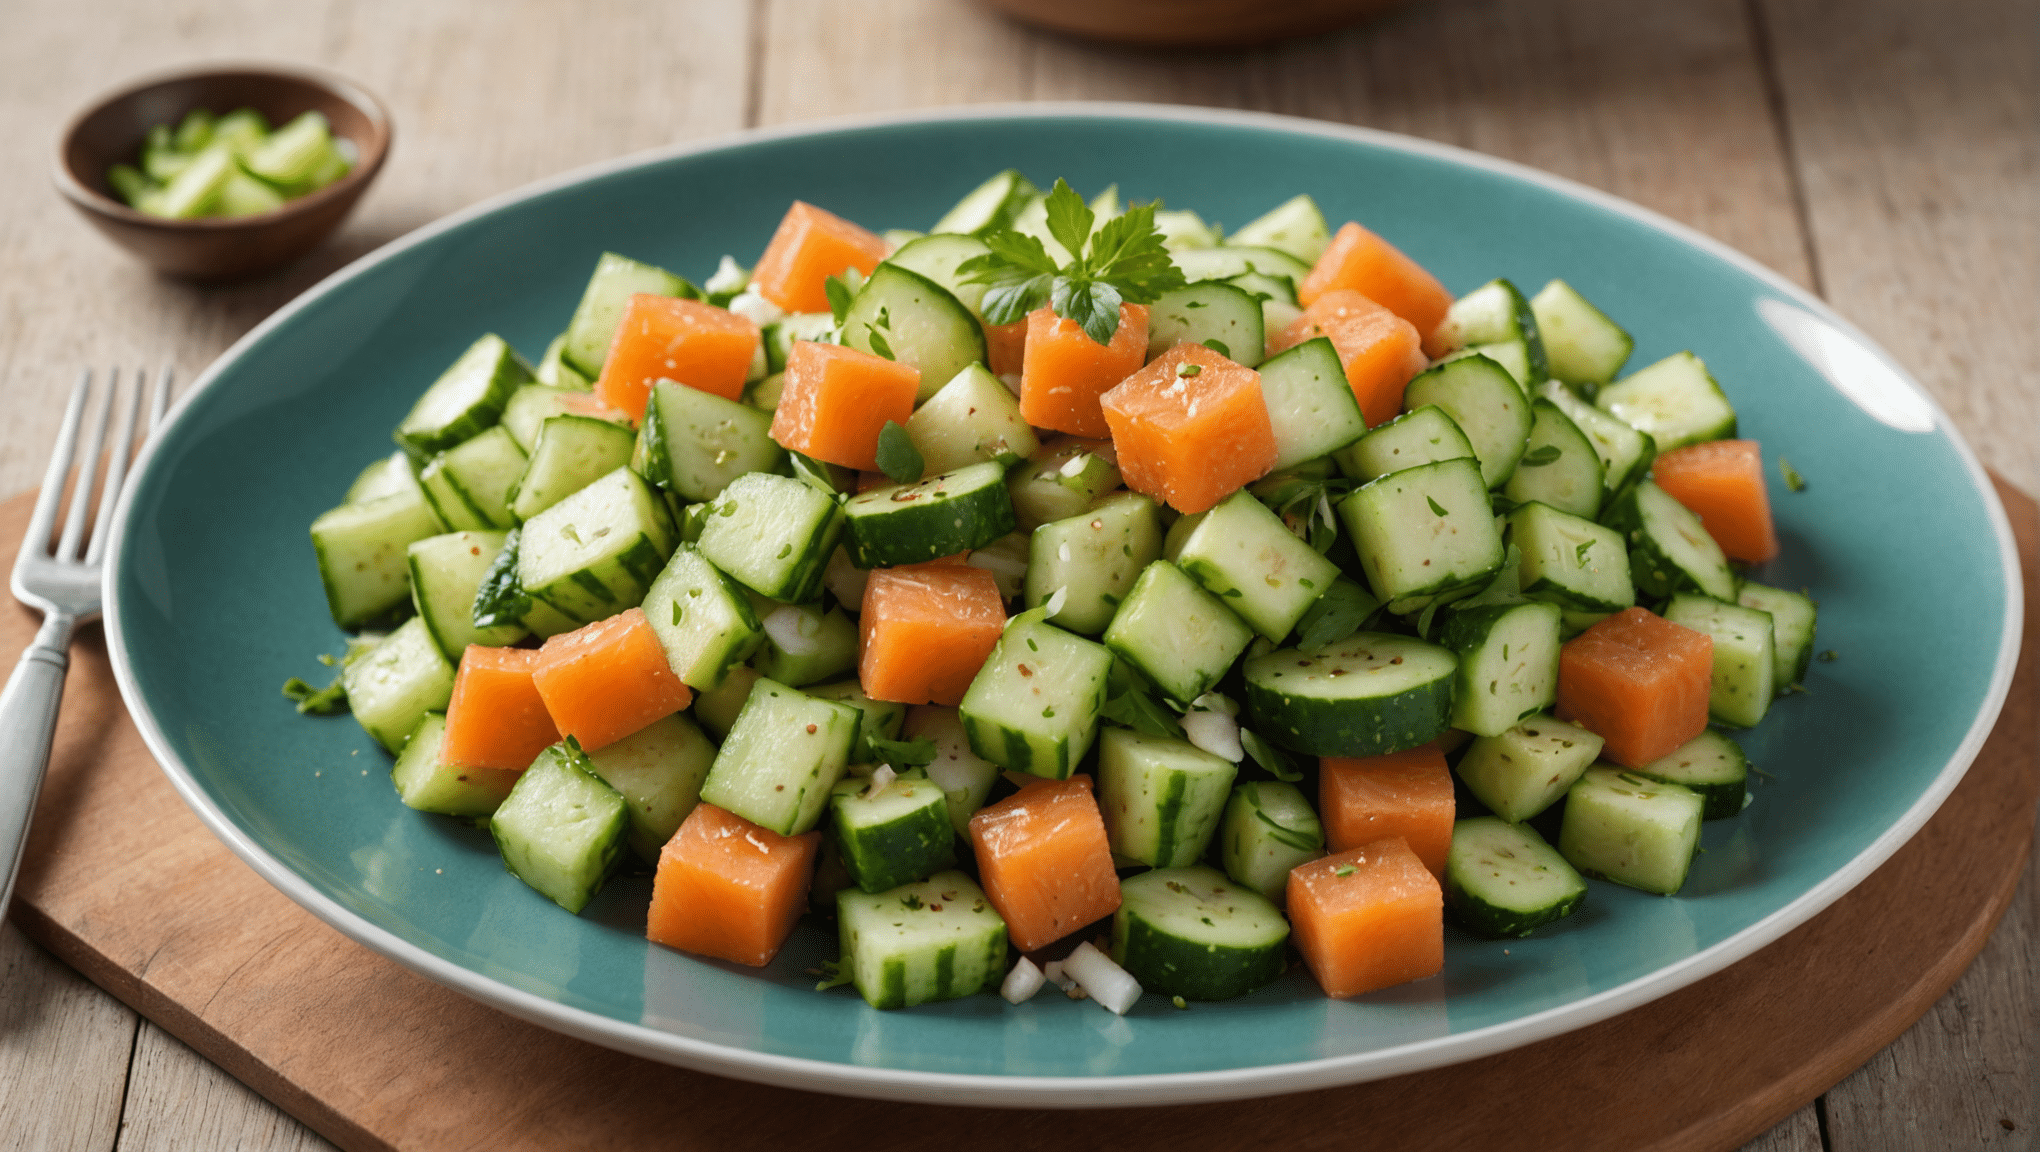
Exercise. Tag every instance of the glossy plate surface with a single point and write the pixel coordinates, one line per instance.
(213, 600)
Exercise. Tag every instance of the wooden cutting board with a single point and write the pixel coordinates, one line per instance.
(125, 884)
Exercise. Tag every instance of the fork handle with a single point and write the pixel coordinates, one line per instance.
(28, 723)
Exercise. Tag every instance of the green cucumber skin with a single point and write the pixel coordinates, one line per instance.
(1496, 922)
(569, 886)
(930, 531)
(1173, 967)
(973, 959)
(898, 852)
(1314, 729)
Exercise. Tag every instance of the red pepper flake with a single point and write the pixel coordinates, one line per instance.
(1395, 660)
(1026, 671)
(811, 728)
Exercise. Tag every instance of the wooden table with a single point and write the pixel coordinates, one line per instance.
(1884, 154)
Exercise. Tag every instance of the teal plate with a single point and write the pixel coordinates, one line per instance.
(213, 600)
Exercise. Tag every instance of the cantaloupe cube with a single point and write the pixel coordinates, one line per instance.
(1369, 918)
(810, 246)
(1722, 481)
(838, 399)
(685, 341)
(1190, 428)
(729, 889)
(606, 680)
(1380, 350)
(1367, 264)
(1044, 861)
(1064, 372)
(1639, 682)
(1404, 794)
(496, 718)
(925, 630)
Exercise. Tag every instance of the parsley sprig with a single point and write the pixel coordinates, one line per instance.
(1121, 261)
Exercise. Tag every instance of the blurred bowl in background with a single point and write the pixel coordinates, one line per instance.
(1191, 23)
(217, 250)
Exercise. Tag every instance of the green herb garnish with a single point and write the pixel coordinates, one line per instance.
(1123, 261)
(1436, 508)
(1793, 479)
(1546, 454)
(897, 457)
(902, 753)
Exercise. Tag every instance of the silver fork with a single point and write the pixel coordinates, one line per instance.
(64, 586)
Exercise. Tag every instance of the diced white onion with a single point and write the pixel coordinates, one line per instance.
(1106, 982)
(1056, 602)
(729, 277)
(1216, 733)
(793, 630)
(1022, 982)
(1216, 702)
(1075, 464)
(1053, 970)
(757, 309)
(880, 779)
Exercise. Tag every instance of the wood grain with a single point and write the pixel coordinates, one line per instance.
(181, 1101)
(56, 1026)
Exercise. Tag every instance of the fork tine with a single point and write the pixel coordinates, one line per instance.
(45, 516)
(159, 400)
(88, 471)
(116, 472)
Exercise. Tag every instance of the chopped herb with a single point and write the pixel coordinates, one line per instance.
(840, 294)
(1343, 610)
(897, 457)
(1546, 454)
(1436, 508)
(1218, 346)
(1139, 711)
(1269, 757)
(676, 613)
(1344, 870)
(911, 901)
(1123, 261)
(1580, 554)
(1048, 713)
(500, 599)
(1179, 1002)
(1828, 656)
(880, 346)
(1793, 479)
(902, 753)
(1187, 370)
(834, 974)
(328, 701)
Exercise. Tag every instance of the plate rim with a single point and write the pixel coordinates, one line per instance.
(1035, 1091)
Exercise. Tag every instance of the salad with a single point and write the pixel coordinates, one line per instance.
(1070, 563)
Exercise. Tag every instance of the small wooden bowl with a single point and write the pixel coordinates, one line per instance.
(112, 129)
(1191, 23)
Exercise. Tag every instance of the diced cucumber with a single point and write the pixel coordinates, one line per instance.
(1669, 550)
(1182, 229)
(1745, 656)
(1792, 624)
(1214, 313)
(1630, 829)
(972, 419)
(703, 620)
(1092, 560)
(571, 453)
(718, 708)
(1572, 562)
(1559, 465)
(467, 398)
(1182, 638)
(194, 189)
(1191, 932)
(805, 645)
(532, 405)
(1366, 695)
(1486, 403)
(1710, 764)
(1503, 880)
(554, 372)
(1226, 262)
(1625, 453)
(596, 553)
(990, 206)
(389, 476)
(392, 687)
(1006, 559)
(1242, 553)
(929, 519)
(781, 758)
(892, 835)
(1508, 664)
(773, 534)
(1524, 770)
(1583, 347)
(694, 443)
(1423, 531)
(1161, 797)
(1296, 226)
(936, 257)
(781, 335)
(445, 572)
(937, 939)
(361, 551)
(965, 777)
(1675, 401)
(904, 316)
(1060, 479)
(562, 828)
(470, 483)
(1420, 436)
(615, 280)
(1268, 829)
(1310, 405)
(658, 770)
(429, 784)
(1034, 705)
(878, 718)
(1497, 313)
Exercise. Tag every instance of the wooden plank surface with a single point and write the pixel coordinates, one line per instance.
(1906, 130)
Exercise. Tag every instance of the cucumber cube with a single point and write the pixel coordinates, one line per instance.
(1570, 561)
(1674, 401)
(1420, 436)
(1191, 932)
(1244, 555)
(1485, 400)
(1508, 665)
(1583, 346)
(445, 572)
(1034, 705)
(892, 835)
(694, 443)
(1625, 453)
(1296, 226)
(1631, 829)
(804, 645)
(1669, 549)
(467, 398)
(1310, 406)
(1503, 880)
(1524, 770)
(597, 552)
(879, 718)
(773, 534)
(1092, 559)
(1423, 531)
(1745, 656)
(386, 477)
(973, 419)
(783, 754)
(1182, 638)
(362, 553)
(392, 687)
(470, 483)
(1268, 828)
(1712, 765)
(561, 830)
(929, 519)
(1560, 466)
(1062, 478)
(937, 939)
(429, 784)
(703, 620)
(658, 770)
(965, 777)
(1792, 624)
(1161, 797)
(718, 708)
(571, 452)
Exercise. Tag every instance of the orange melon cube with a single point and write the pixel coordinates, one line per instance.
(496, 718)
(838, 399)
(1722, 481)
(1404, 794)
(1006, 347)
(1368, 918)
(1367, 264)
(685, 341)
(1044, 861)
(729, 889)
(1639, 682)
(810, 246)
(924, 631)
(1190, 428)
(1064, 372)
(606, 680)
(1380, 350)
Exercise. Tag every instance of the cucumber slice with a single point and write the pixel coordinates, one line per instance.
(1092, 560)
(1559, 466)
(1268, 829)
(615, 280)
(571, 453)
(805, 645)
(429, 784)
(1574, 563)
(1182, 638)
(1524, 770)
(1792, 625)
(1034, 705)
(1669, 550)
(1366, 695)
(1508, 665)
(1063, 477)
(1497, 313)
(596, 553)
(1745, 656)
(392, 687)
(1630, 829)
(388, 476)
(1625, 453)
(781, 758)
(781, 335)
(554, 372)
(927, 520)
(1214, 313)
(1296, 227)
(1675, 401)
(1503, 880)
(1486, 403)
(936, 258)
(1191, 932)
(1161, 797)
(562, 828)
(694, 443)
(905, 316)
(879, 718)
(1310, 405)
(1182, 229)
(1582, 346)
(892, 835)
(467, 398)
(1226, 262)
(1423, 531)
(965, 777)
(1710, 764)
(972, 419)
(470, 483)
(1418, 437)
(938, 939)
(445, 573)
(773, 534)
(362, 553)
(658, 770)
(704, 622)
(990, 206)
(1242, 553)
(532, 405)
